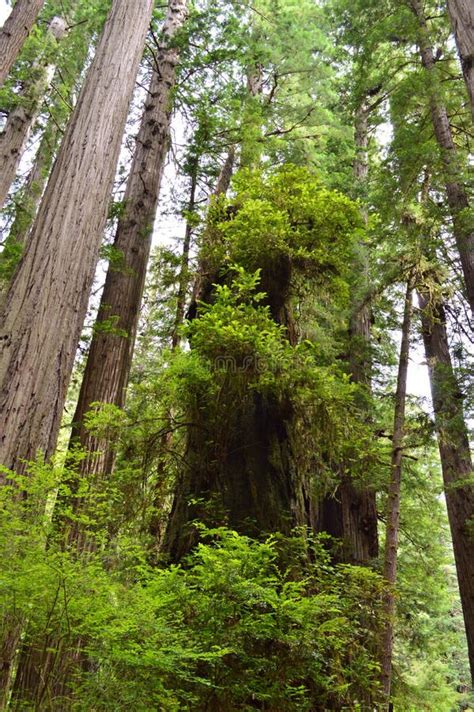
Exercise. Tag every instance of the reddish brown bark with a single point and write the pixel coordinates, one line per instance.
(15, 31)
(47, 301)
(109, 360)
(455, 454)
(455, 189)
(461, 13)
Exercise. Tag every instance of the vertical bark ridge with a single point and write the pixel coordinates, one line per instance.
(461, 13)
(14, 32)
(109, 360)
(455, 190)
(47, 301)
(455, 453)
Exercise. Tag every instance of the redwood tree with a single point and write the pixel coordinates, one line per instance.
(455, 190)
(22, 118)
(47, 301)
(461, 13)
(394, 497)
(454, 450)
(109, 360)
(15, 31)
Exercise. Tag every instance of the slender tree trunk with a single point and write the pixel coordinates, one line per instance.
(461, 13)
(455, 454)
(184, 268)
(15, 31)
(22, 119)
(109, 361)
(47, 301)
(455, 190)
(393, 502)
(27, 206)
(225, 176)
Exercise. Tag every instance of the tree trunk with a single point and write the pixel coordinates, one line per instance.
(242, 474)
(108, 364)
(15, 31)
(455, 454)
(461, 13)
(241, 467)
(47, 301)
(393, 502)
(22, 119)
(455, 190)
(27, 206)
(184, 268)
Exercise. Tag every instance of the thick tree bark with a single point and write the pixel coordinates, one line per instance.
(109, 361)
(243, 475)
(47, 301)
(461, 13)
(393, 502)
(351, 514)
(455, 454)
(15, 31)
(241, 470)
(455, 190)
(22, 119)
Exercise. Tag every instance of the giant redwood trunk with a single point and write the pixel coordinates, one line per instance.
(47, 301)
(22, 118)
(109, 361)
(455, 454)
(243, 475)
(461, 13)
(394, 496)
(240, 467)
(15, 31)
(455, 189)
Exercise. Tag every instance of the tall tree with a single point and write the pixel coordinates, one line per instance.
(15, 31)
(455, 189)
(21, 119)
(454, 450)
(53, 281)
(109, 360)
(85, 23)
(394, 496)
(461, 13)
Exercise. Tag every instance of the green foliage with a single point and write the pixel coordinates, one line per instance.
(286, 213)
(241, 624)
